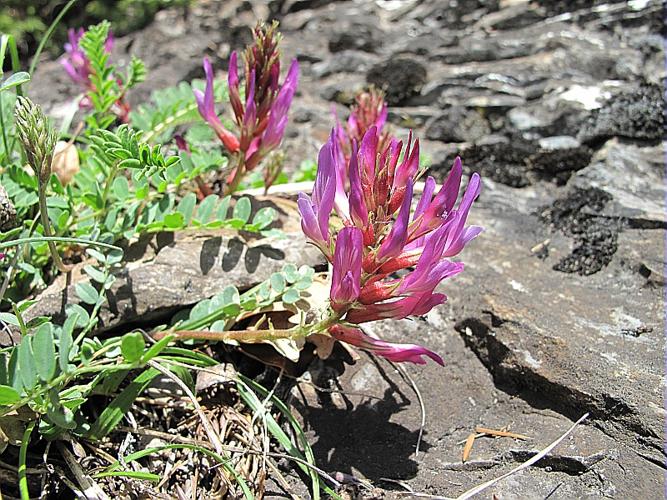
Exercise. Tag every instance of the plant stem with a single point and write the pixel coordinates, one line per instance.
(254, 336)
(42, 239)
(4, 129)
(15, 259)
(238, 175)
(23, 453)
(64, 379)
(49, 233)
(107, 185)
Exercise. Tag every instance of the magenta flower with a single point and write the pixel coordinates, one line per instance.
(260, 120)
(206, 105)
(380, 236)
(315, 212)
(75, 62)
(346, 278)
(393, 352)
(275, 127)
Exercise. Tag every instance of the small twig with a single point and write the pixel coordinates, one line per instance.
(63, 477)
(89, 488)
(402, 484)
(464, 441)
(281, 479)
(494, 432)
(231, 449)
(208, 426)
(422, 408)
(171, 438)
(468, 447)
(206, 422)
(478, 489)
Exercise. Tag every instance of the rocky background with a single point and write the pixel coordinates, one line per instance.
(559, 105)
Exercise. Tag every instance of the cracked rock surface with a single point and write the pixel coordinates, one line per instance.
(560, 310)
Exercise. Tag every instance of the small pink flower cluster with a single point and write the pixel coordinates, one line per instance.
(75, 62)
(372, 194)
(369, 110)
(77, 66)
(262, 119)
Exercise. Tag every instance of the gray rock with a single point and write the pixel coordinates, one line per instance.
(458, 124)
(168, 272)
(633, 176)
(357, 36)
(636, 115)
(558, 142)
(401, 78)
(348, 61)
(579, 344)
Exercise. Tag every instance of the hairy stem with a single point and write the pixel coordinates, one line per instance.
(238, 175)
(254, 336)
(46, 224)
(23, 454)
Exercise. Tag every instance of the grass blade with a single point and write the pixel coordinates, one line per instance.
(251, 399)
(23, 453)
(47, 35)
(113, 413)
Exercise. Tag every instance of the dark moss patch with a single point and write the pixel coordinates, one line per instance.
(634, 115)
(595, 236)
(401, 79)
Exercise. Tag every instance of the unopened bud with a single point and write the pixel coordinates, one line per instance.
(65, 162)
(37, 136)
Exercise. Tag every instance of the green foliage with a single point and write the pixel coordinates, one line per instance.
(307, 171)
(221, 310)
(128, 185)
(172, 107)
(107, 86)
(122, 149)
(168, 109)
(104, 89)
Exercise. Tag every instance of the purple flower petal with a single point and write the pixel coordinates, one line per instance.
(395, 241)
(358, 209)
(368, 154)
(346, 275)
(394, 352)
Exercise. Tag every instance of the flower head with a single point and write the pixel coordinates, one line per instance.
(381, 235)
(75, 61)
(206, 106)
(369, 110)
(262, 118)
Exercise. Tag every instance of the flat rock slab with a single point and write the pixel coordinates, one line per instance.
(633, 175)
(171, 271)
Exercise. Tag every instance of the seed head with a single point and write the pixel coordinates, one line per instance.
(37, 136)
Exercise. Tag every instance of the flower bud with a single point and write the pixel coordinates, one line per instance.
(37, 136)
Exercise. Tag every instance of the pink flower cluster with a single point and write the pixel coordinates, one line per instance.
(75, 62)
(369, 110)
(381, 235)
(77, 66)
(262, 118)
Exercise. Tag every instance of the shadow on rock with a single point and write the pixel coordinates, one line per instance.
(361, 437)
